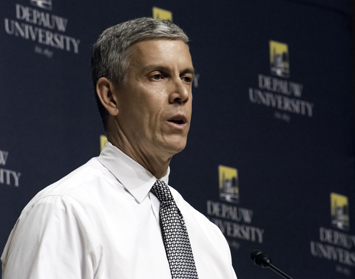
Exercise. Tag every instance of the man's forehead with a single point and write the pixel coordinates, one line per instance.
(154, 44)
(161, 53)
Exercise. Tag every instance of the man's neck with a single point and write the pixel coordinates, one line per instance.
(154, 163)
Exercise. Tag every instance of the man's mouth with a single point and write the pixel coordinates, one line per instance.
(178, 119)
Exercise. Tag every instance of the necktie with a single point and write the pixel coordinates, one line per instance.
(175, 237)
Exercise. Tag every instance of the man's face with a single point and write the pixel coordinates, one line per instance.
(154, 102)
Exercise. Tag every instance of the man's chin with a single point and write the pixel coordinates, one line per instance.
(176, 147)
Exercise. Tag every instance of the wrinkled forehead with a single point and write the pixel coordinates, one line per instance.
(167, 53)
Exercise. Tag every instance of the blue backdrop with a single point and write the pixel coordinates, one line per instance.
(270, 155)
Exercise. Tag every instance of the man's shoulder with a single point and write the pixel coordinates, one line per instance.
(78, 183)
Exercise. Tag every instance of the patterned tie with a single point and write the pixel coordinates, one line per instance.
(176, 239)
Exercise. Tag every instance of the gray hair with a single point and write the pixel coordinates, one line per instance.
(110, 57)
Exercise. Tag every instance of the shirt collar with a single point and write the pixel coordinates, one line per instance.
(135, 178)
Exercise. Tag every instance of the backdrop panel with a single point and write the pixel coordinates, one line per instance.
(270, 155)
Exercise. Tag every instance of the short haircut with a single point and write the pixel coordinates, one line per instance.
(110, 56)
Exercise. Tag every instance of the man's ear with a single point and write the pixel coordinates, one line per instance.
(105, 91)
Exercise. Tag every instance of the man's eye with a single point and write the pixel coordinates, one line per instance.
(187, 79)
(157, 77)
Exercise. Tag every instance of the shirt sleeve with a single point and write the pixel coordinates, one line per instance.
(49, 241)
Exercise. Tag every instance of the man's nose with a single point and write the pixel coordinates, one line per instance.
(179, 92)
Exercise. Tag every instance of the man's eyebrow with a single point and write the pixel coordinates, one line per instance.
(154, 67)
(166, 69)
(189, 71)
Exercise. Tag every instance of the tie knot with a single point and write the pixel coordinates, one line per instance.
(161, 191)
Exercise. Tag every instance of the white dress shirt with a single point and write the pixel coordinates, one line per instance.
(101, 221)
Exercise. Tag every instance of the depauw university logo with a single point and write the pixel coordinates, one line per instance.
(339, 211)
(44, 4)
(228, 184)
(279, 59)
(162, 14)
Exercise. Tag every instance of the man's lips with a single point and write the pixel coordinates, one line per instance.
(178, 119)
(178, 122)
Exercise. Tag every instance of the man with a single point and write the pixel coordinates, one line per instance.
(107, 219)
